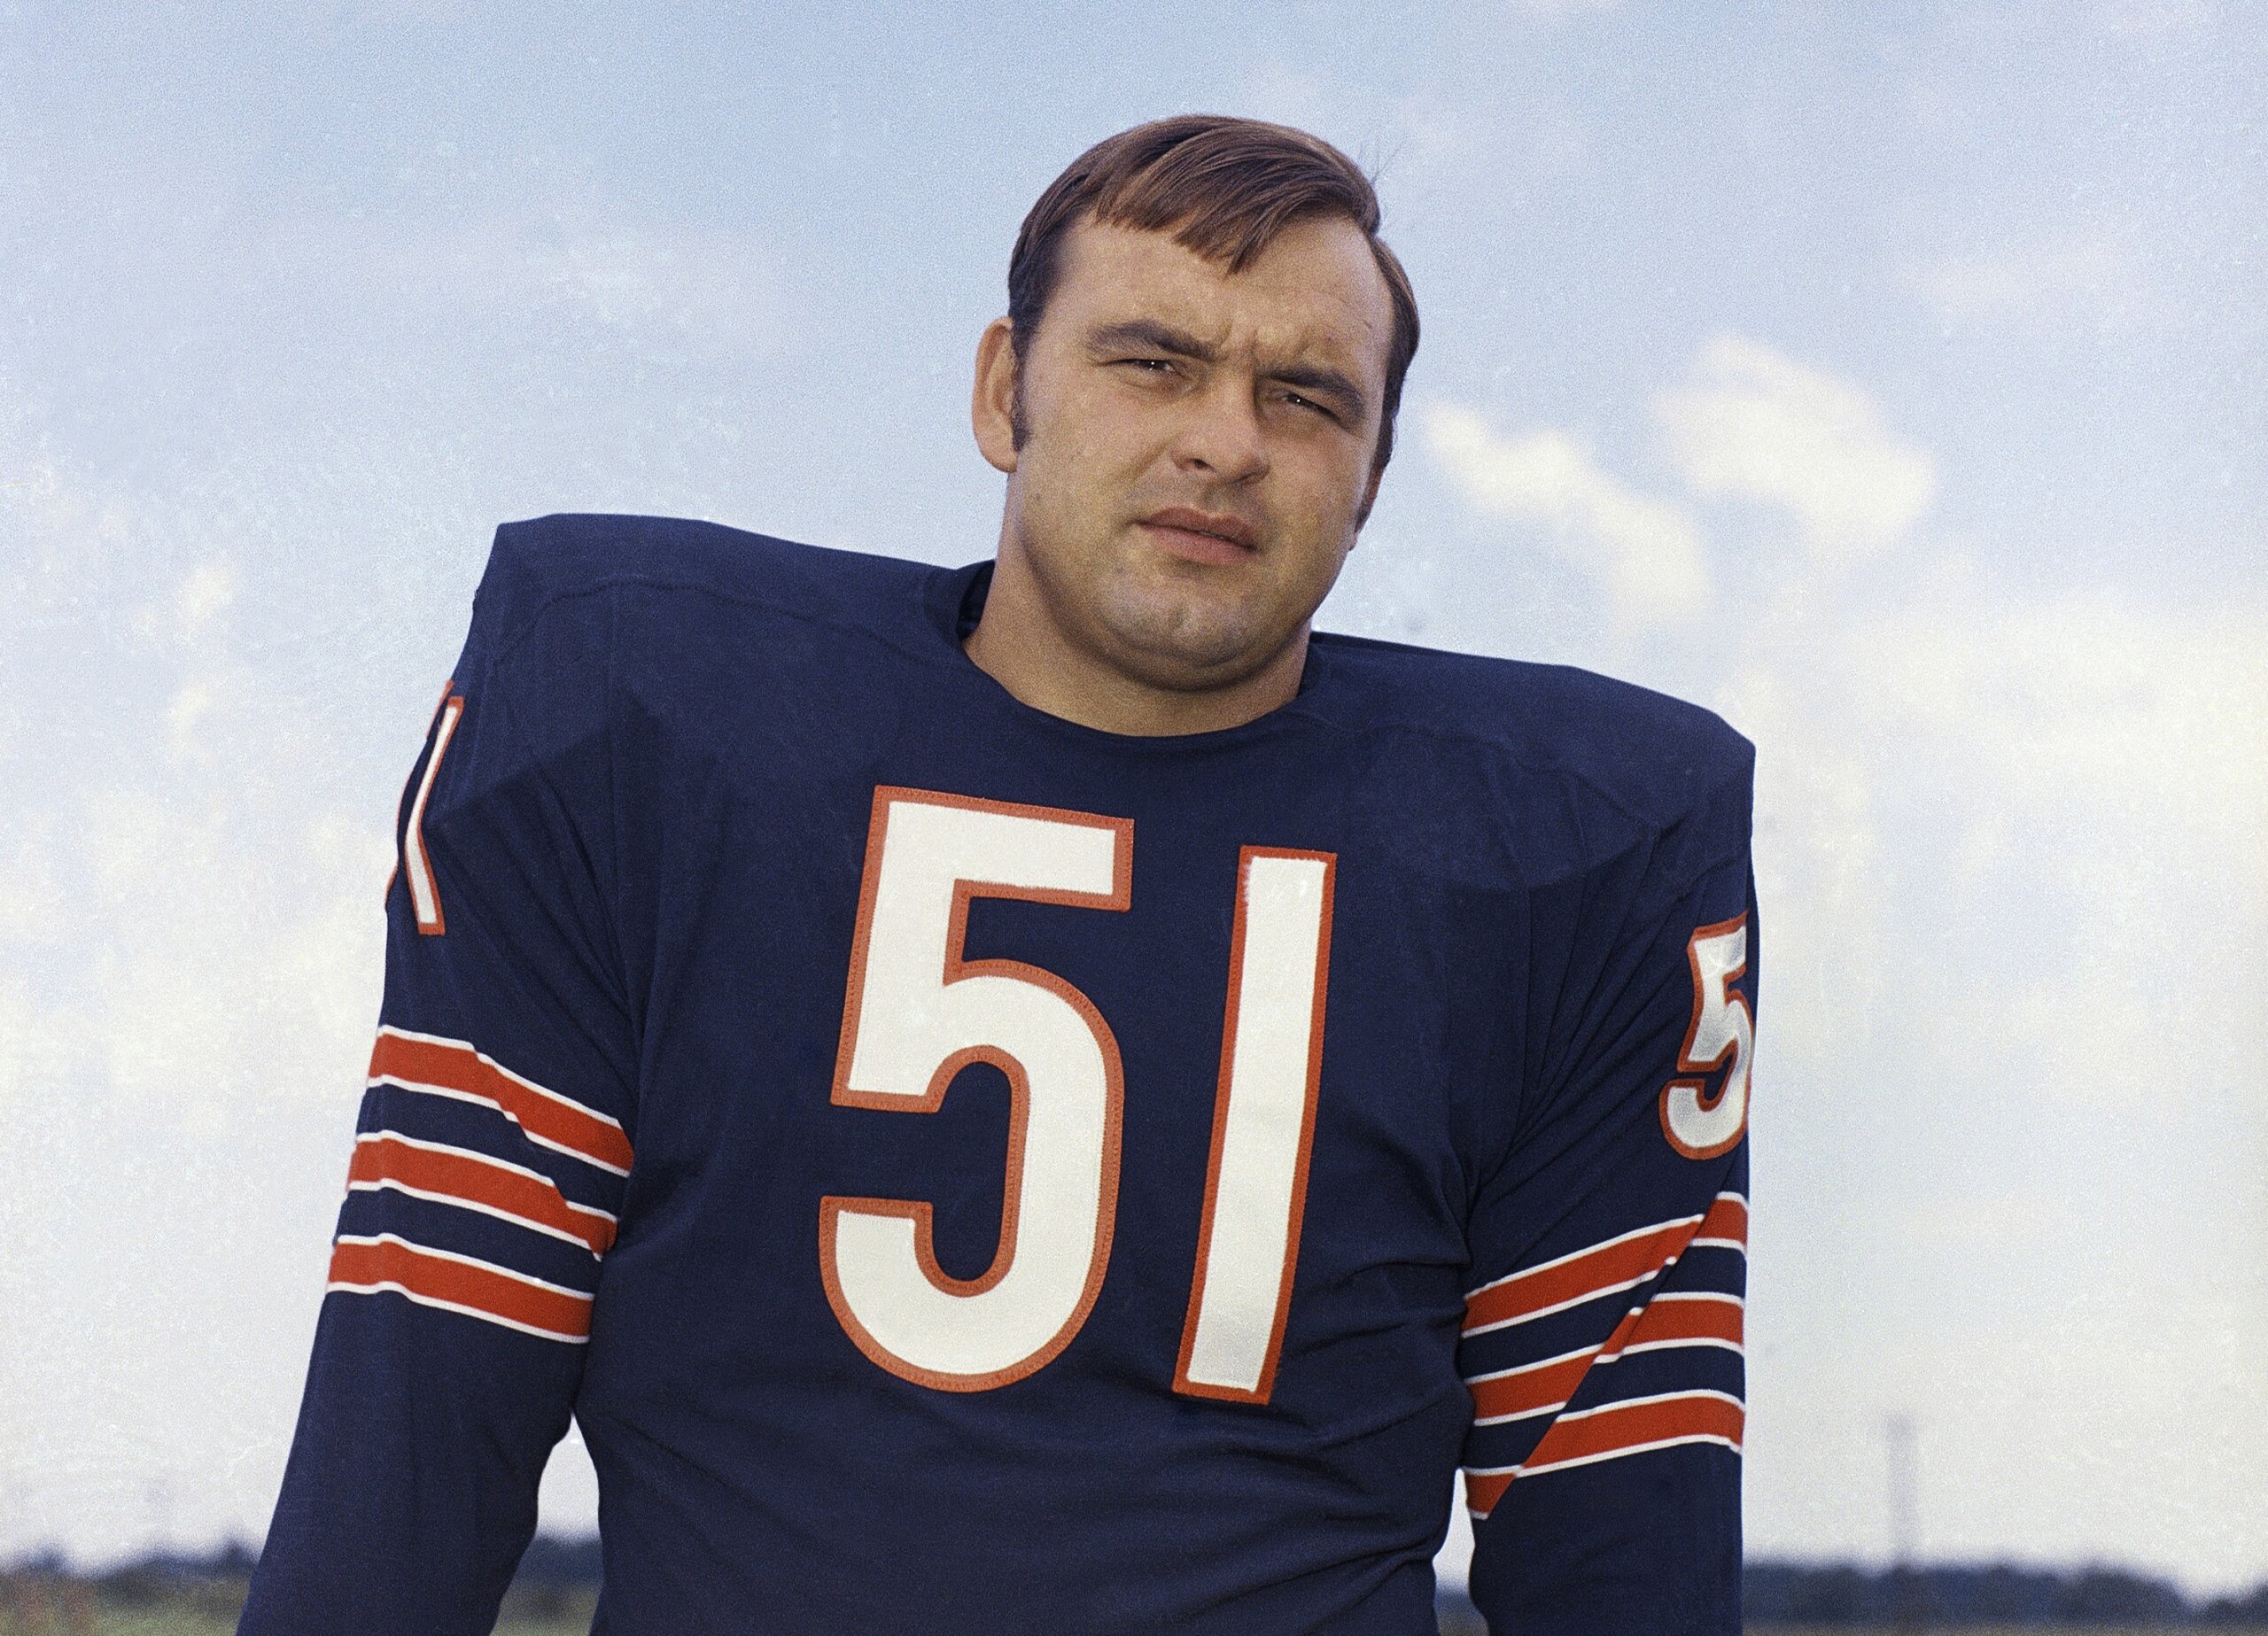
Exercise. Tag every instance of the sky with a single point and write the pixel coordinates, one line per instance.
(1890, 379)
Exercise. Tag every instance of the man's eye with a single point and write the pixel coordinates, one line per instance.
(1298, 400)
(1150, 366)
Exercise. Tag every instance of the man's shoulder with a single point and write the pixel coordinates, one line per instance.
(566, 557)
(1648, 753)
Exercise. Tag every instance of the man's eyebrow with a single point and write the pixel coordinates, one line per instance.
(1147, 335)
(1321, 380)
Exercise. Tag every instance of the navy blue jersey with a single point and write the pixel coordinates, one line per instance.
(966, 1171)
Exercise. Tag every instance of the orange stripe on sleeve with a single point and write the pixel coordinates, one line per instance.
(363, 1266)
(1530, 1391)
(1617, 1264)
(1644, 1424)
(1669, 1320)
(454, 1066)
(1726, 1221)
(1609, 1432)
(454, 1175)
(1484, 1489)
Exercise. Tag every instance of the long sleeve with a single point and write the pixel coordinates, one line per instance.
(488, 1160)
(1602, 1341)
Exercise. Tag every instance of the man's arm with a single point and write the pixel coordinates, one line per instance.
(488, 1163)
(1603, 1334)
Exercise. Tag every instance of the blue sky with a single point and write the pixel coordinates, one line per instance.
(1893, 379)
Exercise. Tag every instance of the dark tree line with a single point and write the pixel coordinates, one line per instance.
(1944, 1596)
(1987, 1593)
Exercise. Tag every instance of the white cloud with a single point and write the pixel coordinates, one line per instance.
(1753, 424)
(35, 1053)
(2101, 277)
(1645, 551)
(2077, 758)
(185, 712)
(190, 961)
(2012, 861)
(206, 595)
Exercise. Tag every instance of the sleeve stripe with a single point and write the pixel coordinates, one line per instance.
(1607, 1267)
(1667, 1321)
(1660, 1322)
(362, 1266)
(1726, 1224)
(1606, 1410)
(1538, 1393)
(1634, 1427)
(385, 1284)
(456, 1175)
(1618, 1264)
(472, 1262)
(1686, 1320)
(1484, 1489)
(1576, 1356)
(1622, 1428)
(1578, 1255)
(1725, 1440)
(425, 1062)
(1538, 1389)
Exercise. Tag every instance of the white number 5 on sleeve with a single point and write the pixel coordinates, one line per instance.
(1699, 1125)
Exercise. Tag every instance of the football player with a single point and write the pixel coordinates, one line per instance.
(1044, 1097)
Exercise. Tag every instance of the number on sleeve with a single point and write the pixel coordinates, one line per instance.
(917, 1014)
(1264, 1121)
(1697, 1124)
(424, 896)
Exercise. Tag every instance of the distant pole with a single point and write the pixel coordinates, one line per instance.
(161, 1496)
(1900, 1441)
(1905, 1525)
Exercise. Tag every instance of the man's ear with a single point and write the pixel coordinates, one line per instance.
(992, 400)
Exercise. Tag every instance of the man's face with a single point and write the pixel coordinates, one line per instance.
(1197, 446)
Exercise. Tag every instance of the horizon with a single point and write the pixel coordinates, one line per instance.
(543, 1564)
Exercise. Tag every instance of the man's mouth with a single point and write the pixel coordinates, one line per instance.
(1217, 538)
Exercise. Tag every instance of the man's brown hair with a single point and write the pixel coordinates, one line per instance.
(1226, 188)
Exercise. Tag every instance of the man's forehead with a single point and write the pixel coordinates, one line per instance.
(1315, 289)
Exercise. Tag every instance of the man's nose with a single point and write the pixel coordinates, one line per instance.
(1223, 436)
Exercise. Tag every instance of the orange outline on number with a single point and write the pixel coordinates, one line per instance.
(1687, 1063)
(1298, 1212)
(920, 1213)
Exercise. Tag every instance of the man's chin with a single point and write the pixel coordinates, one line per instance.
(1186, 643)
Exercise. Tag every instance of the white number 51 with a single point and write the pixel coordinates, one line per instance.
(916, 1012)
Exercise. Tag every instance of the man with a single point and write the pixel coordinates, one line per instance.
(1043, 1096)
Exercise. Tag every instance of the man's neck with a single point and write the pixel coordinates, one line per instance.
(1022, 646)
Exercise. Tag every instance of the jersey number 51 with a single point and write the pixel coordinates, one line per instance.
(917, 1012)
